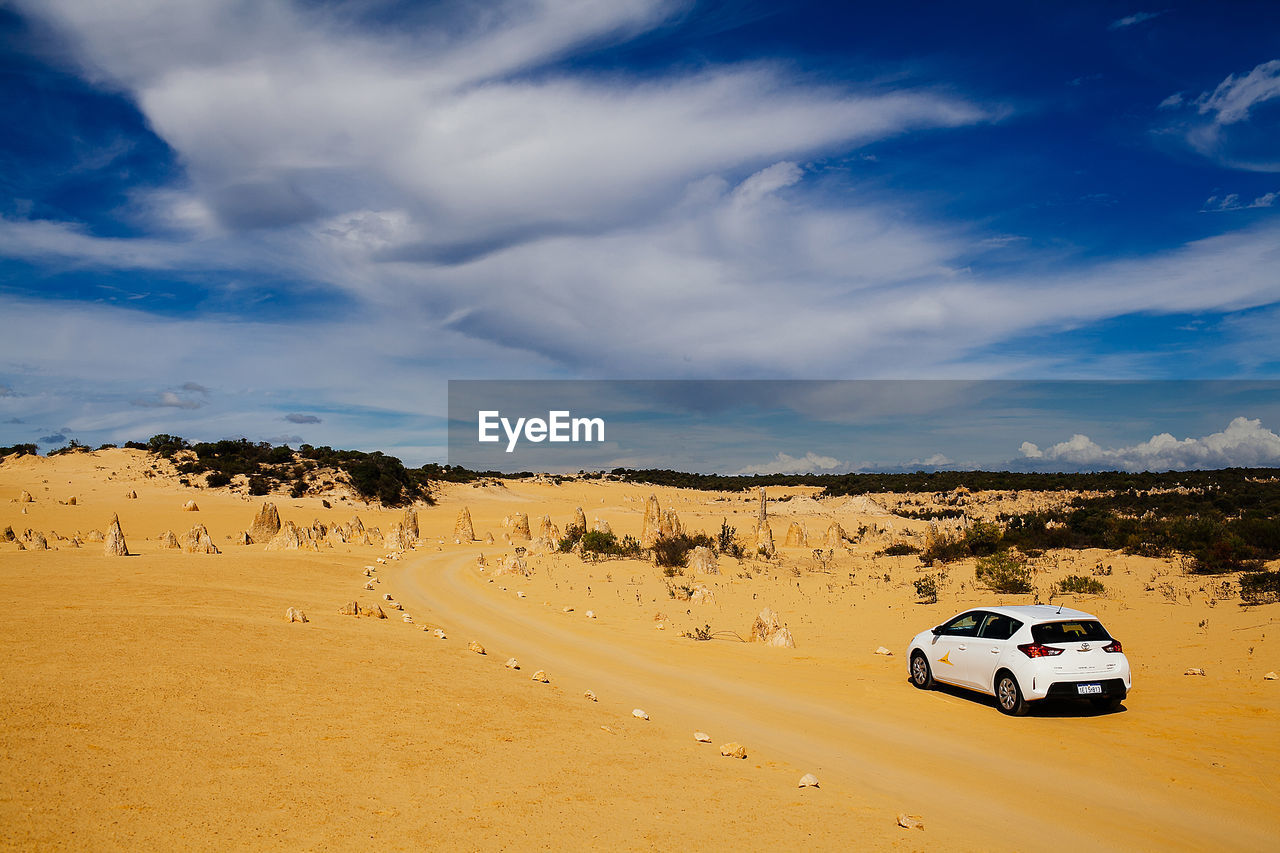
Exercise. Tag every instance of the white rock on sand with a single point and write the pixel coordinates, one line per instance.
(589, 695)
(733, 750)
(541, 676)
(639, 714)
(1194, 671)
(910, 821)
(293, 614)
(808, 780)
(512, 663)
(702, 737)
(476, 647)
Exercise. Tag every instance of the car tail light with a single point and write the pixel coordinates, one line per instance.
(1113, 647)
(1037, 650)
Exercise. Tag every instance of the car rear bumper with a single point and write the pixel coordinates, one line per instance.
(1112, 688)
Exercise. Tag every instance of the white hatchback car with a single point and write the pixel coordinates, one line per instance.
(1023, 654)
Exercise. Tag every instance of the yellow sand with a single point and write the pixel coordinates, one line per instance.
(162, 701)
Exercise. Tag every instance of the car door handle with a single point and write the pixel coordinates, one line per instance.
(961, 648)
(995, 651)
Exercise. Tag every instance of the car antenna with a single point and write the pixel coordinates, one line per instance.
(1059, 613)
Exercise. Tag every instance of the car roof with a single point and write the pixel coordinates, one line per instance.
(1038, 612)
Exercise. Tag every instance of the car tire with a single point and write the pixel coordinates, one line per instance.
(921, 674)
(1106, 703)
(1009, 697)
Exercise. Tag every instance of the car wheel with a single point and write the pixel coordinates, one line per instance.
(921, 676)
(1106, 703)
(1009, 696)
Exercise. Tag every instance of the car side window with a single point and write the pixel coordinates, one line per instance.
(999, 627)
(964, 625)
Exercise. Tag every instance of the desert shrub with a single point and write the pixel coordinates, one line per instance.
(598, 544)
(298, 489)
(1259, 587)
(944, 549)
(572, 535)
(673, 551)
(703, 633)
(927, 589)
(727, 541)
(259, 486)
(900, 549)
(1081, 585)
(983, 538)
(217, 479)
(1004, 573)
(20, 449)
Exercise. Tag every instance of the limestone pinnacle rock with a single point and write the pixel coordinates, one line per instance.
(114, 544)
(462, 527)
(266, 523)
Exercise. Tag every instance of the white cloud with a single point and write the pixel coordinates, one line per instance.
(1244, 443)
(1136, 18)
(1236, 96)
(1231, 201)
(810, 463)
(1227, 126)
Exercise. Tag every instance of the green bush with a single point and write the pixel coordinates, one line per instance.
(900, 549)
(1259, 587)
(1002, 572)
(572, 535)
(927, 589)
(259, 486)
(727, 541)
(595, 543)
(1081, 585)
(217, 479)
(673, 551)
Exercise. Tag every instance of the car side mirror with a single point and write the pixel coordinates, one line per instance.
(937, 631)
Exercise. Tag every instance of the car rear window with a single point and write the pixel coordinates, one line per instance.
(1069, 631)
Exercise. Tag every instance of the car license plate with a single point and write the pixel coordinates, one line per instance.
(1086, 689)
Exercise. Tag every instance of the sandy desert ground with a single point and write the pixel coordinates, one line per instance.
(162, 700)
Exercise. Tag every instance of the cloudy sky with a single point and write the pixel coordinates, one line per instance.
(295, 221)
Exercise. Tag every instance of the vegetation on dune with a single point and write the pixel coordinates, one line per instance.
(673, 551)
(1003, 572)
(20, 450)
(1081, 585)
(374, 476)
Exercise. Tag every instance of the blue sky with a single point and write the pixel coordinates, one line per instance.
(295, 221)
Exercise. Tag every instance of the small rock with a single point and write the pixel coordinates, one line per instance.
(512, 663)
(883, 651)
(351, 608)
(367, 572)
(591, 614)
(606, 729)
(1271, 676)
(910, 821)
(375, 612)
(1194, 671)
(639, 714)
(702, 737)
(808, 780)
(439, 634)
(368, 585)
(519, 595)
(568, 610)
(395, 605)
(407, 618)
(733, 750)
(293, 614)
(386, 596)
(476, 647)
(541, 676)
(190, 506)
(590, 695)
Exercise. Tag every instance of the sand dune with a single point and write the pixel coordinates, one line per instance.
(163, 700)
